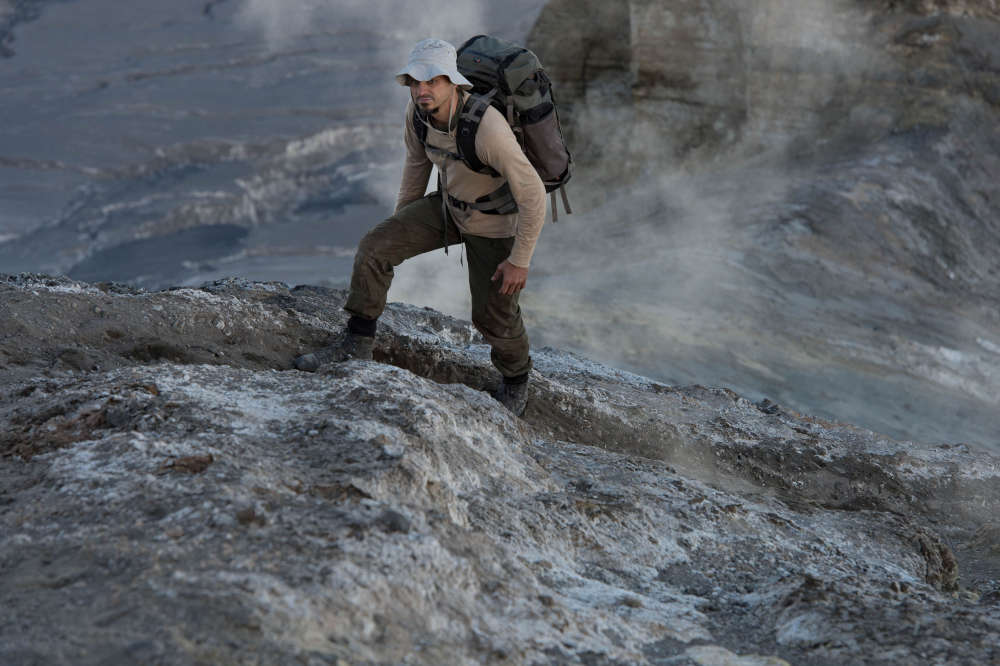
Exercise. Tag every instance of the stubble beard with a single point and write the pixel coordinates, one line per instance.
(429, 109)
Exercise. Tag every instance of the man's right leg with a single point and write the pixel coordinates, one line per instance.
(416, 228)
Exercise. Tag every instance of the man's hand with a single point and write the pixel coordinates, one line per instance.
(514, 278)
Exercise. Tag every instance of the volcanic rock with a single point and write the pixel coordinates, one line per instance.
(183, 496)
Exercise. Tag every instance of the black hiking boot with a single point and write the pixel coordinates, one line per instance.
(513, 395)
(350, 346)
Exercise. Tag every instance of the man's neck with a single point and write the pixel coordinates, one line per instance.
(442, 115)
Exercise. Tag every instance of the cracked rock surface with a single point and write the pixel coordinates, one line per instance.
(171, 492)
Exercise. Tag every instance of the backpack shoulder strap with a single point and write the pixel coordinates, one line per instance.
(418, 126)
(468, 127)
(465, 135)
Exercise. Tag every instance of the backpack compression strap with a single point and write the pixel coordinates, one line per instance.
(498, 202)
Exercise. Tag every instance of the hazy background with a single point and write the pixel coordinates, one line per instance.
(796, 200)
(262, 136)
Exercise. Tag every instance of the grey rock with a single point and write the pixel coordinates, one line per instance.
(621, 520)
(394, 521)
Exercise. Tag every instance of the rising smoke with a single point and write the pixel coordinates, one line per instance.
(394, 24)
(696, 267)
(675, 219)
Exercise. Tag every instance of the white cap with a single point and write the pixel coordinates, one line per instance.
(430, 58)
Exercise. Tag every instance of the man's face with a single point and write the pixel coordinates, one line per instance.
(431, 95)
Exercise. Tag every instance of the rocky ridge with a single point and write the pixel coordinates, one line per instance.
(173, 493)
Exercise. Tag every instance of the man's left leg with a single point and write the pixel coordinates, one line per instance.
(498, 318)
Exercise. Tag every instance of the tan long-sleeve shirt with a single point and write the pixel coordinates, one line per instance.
(497, 147)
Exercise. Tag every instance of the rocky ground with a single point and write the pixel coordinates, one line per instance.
(791, 199)
(172, 493)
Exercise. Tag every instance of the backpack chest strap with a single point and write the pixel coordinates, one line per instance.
(442, 152)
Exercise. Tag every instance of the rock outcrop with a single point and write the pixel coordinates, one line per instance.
(795, 199)
(171, 492)
(648, 83)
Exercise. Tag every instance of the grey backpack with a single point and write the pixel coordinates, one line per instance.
(511, 79)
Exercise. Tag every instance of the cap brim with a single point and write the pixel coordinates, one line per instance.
(426, 72)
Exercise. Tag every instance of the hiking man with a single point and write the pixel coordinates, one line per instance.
(499, 243)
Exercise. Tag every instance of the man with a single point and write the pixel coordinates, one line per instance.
(499, 246)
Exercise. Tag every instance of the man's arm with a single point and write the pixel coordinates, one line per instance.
(416, 168)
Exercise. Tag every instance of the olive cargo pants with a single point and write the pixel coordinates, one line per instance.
(420, 227)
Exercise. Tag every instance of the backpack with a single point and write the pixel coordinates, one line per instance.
(511, 79)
